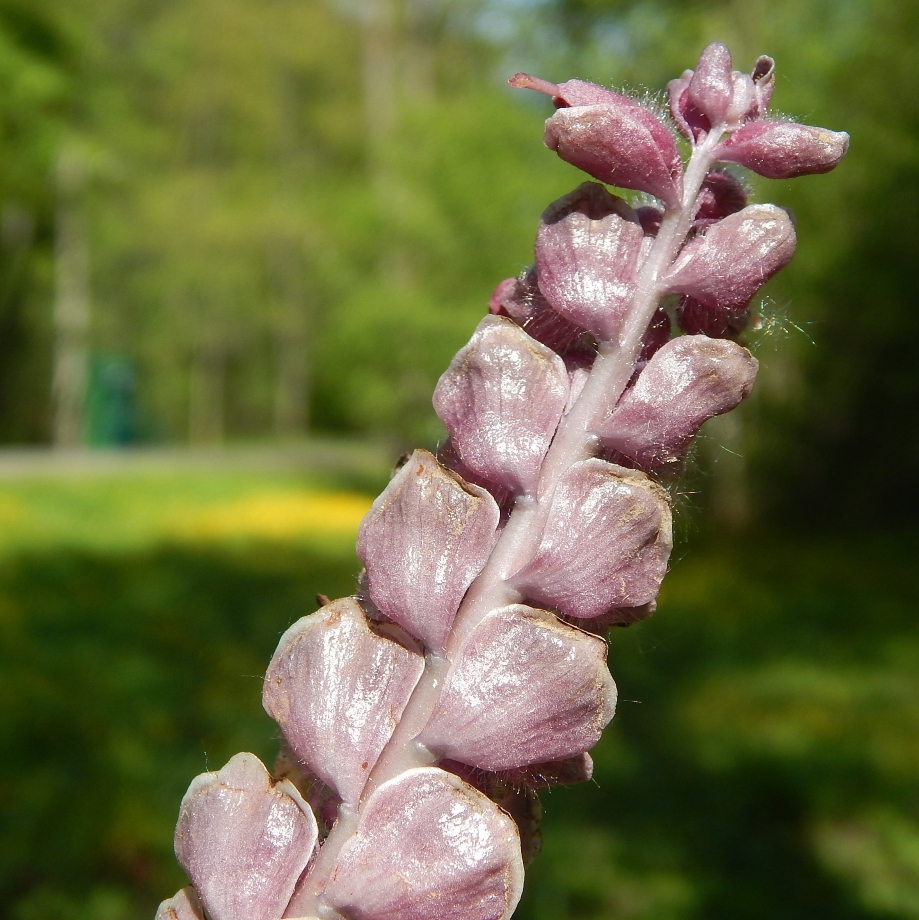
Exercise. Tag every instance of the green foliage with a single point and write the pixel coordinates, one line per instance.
(292, 205)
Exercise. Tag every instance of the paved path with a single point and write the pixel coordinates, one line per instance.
(360, 458)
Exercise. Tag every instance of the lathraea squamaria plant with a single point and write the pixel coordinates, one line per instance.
(419, 717)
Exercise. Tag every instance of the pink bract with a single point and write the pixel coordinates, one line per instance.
(524, 689)
(429, 847)
(329, 680)
(244, 840)
(423, 541)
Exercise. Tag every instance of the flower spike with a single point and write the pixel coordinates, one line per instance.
(420, 717)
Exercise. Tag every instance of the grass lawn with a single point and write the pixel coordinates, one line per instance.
(137, 512)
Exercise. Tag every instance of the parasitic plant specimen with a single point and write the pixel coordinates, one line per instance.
(420, 716)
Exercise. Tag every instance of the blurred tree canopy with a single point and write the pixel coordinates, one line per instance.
(294, 210)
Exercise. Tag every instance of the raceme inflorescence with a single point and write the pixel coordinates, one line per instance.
(419, 717)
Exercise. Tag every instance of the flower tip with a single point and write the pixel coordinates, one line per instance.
(841, 142)
(763, 69)
(525, 81)
(716, 53)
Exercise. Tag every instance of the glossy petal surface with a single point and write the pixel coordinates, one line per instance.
(244, 840)
(525, 689)
(501, 399)
(429, 847)
(606, 542)
(185, 905)
(423, 542)
(337, 689)
(691, 379)
(735, 257)
(587, 249)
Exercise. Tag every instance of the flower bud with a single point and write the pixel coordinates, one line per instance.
(763, 77)
(244, 840)
(524, 688)
(711, 88)
(423, 541)
(428, 847)
(784, 149)
(503, 293)
(326, 686)
(743, 101)
(610, 137)
(735, 257)
(606, 542)
(587, 250)
(691, 379)
(714, 95)
(501, 399)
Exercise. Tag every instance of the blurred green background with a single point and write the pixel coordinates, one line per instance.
(240, 240)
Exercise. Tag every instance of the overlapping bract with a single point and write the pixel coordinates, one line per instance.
(735, 257)
(784, 149)
(501, 399)
(338, 689)
(690, 380)
(524, 689)
(244, 840)
(610, 137)
(429, 847)
(422, 542)
(605, 545)
(587, 252)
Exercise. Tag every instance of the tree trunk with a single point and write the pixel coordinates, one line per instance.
(72, 306)
(291, 393)
(206, 397)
